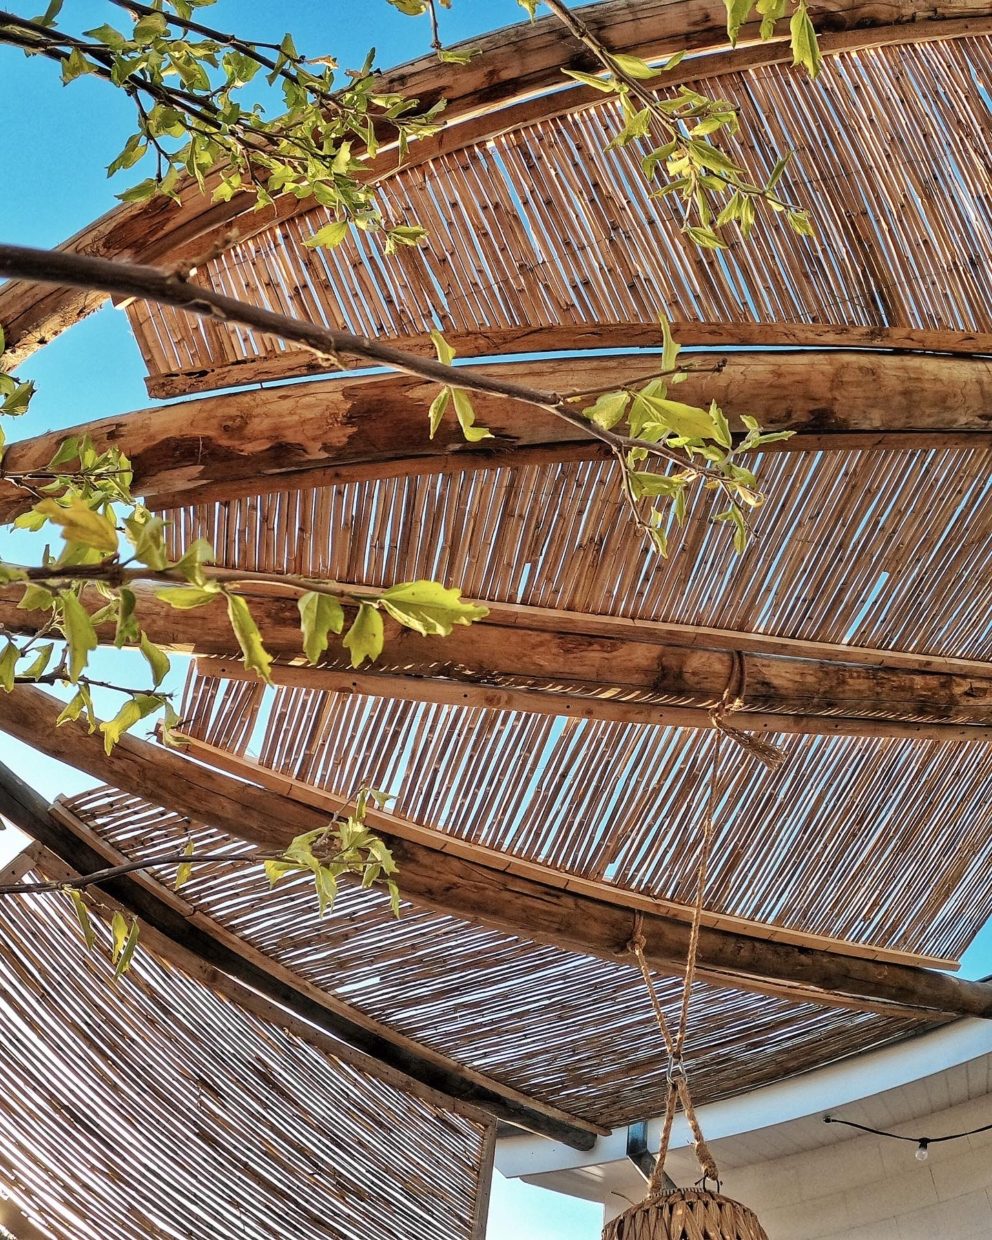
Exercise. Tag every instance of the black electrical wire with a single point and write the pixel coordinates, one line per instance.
(924, 1141)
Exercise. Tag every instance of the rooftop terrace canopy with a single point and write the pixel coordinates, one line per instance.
(553, 761)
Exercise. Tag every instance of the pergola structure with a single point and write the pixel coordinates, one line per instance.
(552, 762)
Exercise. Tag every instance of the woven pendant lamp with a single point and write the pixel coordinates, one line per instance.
(686, 1214)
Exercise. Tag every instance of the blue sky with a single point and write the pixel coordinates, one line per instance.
(54, 146)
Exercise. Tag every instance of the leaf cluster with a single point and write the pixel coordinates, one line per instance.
(698, 440)
(198, 115)
(344, 846)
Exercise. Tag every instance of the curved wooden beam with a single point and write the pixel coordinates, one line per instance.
(553, 663)
(182, 924)
(346, 429)
(505, 863)
(509, 903)
(294, 363)
(516, 62)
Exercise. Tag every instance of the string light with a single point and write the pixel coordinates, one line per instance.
(922, 1143)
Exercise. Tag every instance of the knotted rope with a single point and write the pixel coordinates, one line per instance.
(733, 700)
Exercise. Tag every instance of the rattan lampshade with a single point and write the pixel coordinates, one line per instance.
(686, 1214)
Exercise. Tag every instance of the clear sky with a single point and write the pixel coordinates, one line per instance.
(54, 145)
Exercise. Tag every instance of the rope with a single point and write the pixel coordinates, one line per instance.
(656, 1184)
(733, 700)
(678, 1083)
(702, 869)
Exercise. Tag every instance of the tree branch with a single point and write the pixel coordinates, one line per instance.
(170, 289)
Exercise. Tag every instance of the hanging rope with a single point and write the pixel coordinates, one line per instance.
(733, 700)
(678, 1082)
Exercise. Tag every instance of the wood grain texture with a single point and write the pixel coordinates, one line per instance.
(350, 428)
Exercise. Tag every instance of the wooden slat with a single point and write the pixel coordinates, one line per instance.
(237, 1121)
(573, 1030)
(526, 60)
(181, 922)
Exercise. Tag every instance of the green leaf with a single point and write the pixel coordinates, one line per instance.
(127, 625)
(738, 12)
(255, 656)
(80, 634)
(119, 929)
(149, 28)
(124, 956)
(275, 870)
(633, 66)
(80, 524)
(722, 433)
(466, 417)
(800, 223)
(82, 916)
(670, 350)
(79, 703)
(365, 637)
(445, 353)
(330, 235)
(687, 420)
(74, 66)
(705, 237)
(452, 56)
(609, 409)
(146, 533)
(36, 598)
(185, 870)
(320, 614)
(39, 665)
(8, 664)
(185, 598)
(141, 192)
(805, 48)
(198, 553)
(17, 401)
(156, 659)
(429, 608)
(133, 710)
(438, 408)
(607, 85)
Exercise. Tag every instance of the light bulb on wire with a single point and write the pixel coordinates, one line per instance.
(922, 1151)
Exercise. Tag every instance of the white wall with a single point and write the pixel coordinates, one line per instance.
(870, 1188)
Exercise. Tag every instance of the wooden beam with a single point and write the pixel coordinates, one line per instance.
(180, 923)
(546, 662)
(345, 429)
(521, 61)
(508, 903)
(502, 862)
(411, 687)
(499, 342)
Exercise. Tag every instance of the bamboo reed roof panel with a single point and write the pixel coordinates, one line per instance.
(571, 1030)
(171, 1112)
(853, 838)
(541, 227)
(865, 548)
